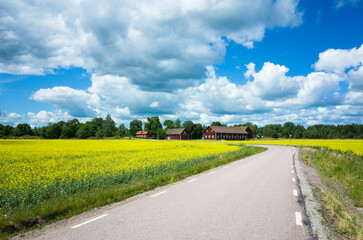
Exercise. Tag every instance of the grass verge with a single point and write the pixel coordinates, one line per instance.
(55, 209)
(342, 200)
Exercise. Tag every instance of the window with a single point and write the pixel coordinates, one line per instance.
(212, 136)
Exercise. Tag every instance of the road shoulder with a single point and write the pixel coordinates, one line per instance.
(307, 178)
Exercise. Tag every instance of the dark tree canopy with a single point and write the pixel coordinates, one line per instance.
(109, 127)
(177, 123)
(218, 124)
(153, 125)
(135, 126)
(169, 124)
(100, 128)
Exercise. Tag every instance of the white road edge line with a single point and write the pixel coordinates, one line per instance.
(293, 179)
(192, 180)
(298, 218)
(211, 172)
(158, 194)
(224, 167)
(294, 192)
(94, 219)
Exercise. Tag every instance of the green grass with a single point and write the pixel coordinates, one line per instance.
(56, 209)
(342, 174)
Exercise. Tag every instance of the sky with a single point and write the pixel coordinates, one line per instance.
(233, 61)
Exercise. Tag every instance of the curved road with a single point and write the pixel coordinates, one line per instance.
(253, 198)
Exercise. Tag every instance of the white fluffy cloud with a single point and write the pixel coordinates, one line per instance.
(155, 44)
(77, 102)
(10, 118)
(268, 96)
(42, 118)
(271, 82)
(339, 60)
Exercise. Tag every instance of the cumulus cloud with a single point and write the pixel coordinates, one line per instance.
(121, 92)
(218, 95)
(10, 118)
(162, 45)
(42, 118)
(77, 102)
(339, 60)
(271, 82)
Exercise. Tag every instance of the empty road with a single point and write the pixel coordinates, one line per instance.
(253, 198)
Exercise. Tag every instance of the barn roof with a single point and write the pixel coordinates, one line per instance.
(175, 131)
(141, 132)
(236, 130)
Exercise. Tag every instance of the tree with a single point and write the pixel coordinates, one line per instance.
(161, 133)
(135, 126)
(54, 130)
(195, 130)
(98, 121)
(23, 129)
(70, 129)
(6, 131)
(218, 124)
(87, 130)
(275, 135)
(153, 125)
(177, 123)
(99, 133)
(168, 124)
(109, 127)
(122, 131)
(287, 129)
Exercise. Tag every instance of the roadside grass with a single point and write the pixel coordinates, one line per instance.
(63, 207)
(342, 201)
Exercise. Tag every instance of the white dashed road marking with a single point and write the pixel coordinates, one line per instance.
(211, 172)
(298, 218)
(94, 219)
(293, 179)
(192, 180)
(158, 194)
(294, 192)
(292, 171)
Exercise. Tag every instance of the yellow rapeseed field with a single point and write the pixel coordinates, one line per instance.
(35, 170)
(356, 146)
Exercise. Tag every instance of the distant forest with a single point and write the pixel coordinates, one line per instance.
(105, 128)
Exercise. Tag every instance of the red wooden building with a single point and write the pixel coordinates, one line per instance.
(177, 134)
(227, 133)
(142, 134)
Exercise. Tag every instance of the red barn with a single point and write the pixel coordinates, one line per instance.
(177, 134)
(142, 134)
(227, 133)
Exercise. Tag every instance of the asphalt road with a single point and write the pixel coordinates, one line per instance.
(252, 198)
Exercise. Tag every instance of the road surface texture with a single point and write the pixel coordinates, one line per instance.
(254, 198)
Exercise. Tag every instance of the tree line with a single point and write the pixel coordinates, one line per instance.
(105, 128)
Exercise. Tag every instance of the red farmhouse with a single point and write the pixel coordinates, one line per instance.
(227, 133)
(177, 134)
(142, 134)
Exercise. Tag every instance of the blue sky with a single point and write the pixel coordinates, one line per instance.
(261, 61)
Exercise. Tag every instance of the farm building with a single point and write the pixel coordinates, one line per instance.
(142, 134)
(227, 133)
(177, 134)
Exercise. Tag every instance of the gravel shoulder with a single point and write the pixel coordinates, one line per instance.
(308, 179)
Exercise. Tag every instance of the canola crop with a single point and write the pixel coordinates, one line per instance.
(33, 171)
(343, 145)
